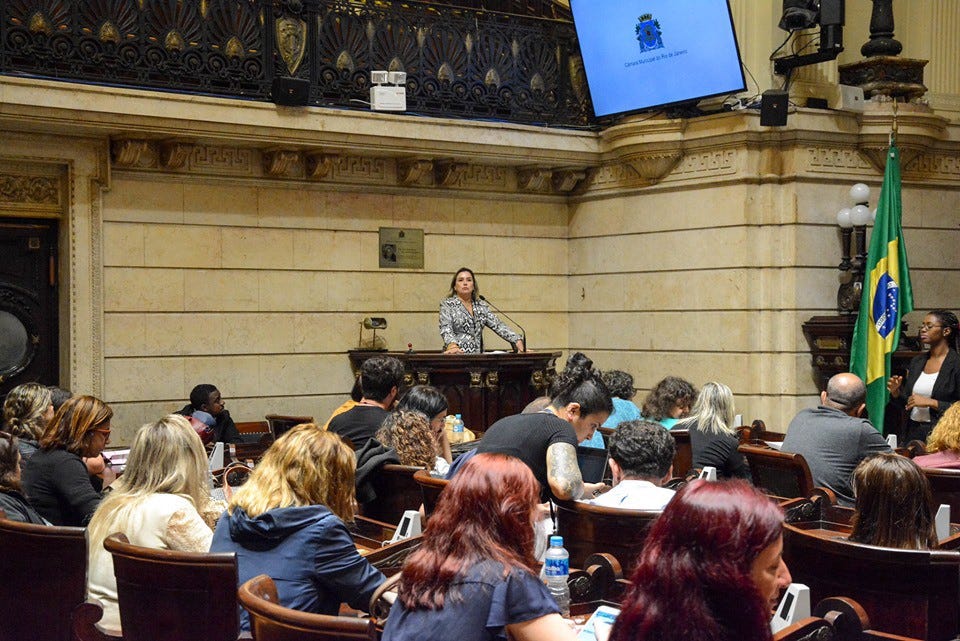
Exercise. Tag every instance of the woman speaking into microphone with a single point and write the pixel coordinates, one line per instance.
(463, 315)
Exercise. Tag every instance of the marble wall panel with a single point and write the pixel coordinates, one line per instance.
(221, 204)
(139, 289)
(218, 290)
(182, 246)
(123, 245)
(142, 199)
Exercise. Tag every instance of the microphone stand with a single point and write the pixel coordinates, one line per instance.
(523, 332)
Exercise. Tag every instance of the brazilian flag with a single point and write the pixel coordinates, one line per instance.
(887, 295)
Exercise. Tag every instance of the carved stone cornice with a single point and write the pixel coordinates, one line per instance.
(280, 162)
(533, 178)
(566, 180)
(174, 155)
(448, 173)
(411, 171)
(919, 130)
(319, 165)
(128, 152)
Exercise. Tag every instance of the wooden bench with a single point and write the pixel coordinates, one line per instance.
(166, 594)
(908, 592)
(781, 474)
(945, 486)
(396, 491)
(430, 489)
(588, 529)
(683, 457)
(270, 621)
(44, 578)
(280, 424)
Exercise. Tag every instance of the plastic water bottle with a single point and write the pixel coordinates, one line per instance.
(458, 429)
(556, 567)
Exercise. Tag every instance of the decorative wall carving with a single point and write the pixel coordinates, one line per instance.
(29, 190)
(936, 166)
(281, 162)
(829, 160)
(223, 160)
(713, 162)
(412, 171)
(533, 178)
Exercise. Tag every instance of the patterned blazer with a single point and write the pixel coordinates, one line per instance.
(458, 326)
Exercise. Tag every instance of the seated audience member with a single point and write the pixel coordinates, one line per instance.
(894, 504)
(162, 501)
(669, 401)
(547, 441)
(55, 479)
(713, 438)
(711, 568)
(12, 501)
(641, 460)
(943, 445)
(430, 402)
(59, 396)
(287, 521)
(409, 434)
(833, 438)
(621, 389)
(356, 394)
(96, 464)
(473, 577)
(380, 378)
(26, 412)
(209, 418)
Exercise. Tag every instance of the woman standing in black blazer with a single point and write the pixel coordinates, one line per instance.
(932, 383)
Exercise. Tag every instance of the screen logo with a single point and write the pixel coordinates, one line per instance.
(648, 33)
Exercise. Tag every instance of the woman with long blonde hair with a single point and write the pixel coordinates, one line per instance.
(287, 521)
(713, 436)
(162, 501)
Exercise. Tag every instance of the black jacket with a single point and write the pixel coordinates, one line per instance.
(15, 506)
(946, 390)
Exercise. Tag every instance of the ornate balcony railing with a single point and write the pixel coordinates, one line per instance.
(462, 60)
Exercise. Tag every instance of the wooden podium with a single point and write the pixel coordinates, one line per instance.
(482, 388)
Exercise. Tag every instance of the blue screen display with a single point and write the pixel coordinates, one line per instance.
(640, 54)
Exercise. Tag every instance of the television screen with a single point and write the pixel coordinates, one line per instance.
(641, 54)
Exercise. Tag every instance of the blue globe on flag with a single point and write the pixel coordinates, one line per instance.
(885, 302)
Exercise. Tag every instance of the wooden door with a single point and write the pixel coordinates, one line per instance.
(28, 303)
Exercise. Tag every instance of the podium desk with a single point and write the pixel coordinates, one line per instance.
(482, 388)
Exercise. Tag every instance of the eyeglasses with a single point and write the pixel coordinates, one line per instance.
(929, 326)
(104, 431)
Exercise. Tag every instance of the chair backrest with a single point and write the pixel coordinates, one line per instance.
(253, 427)
(945, 485)
(430, 489)
(44, 577)
(914, 593)
(280, 424)
(270, 621)
(588, 529)
(165, 594)
(781, 474)
(396, 490)
(683, 458)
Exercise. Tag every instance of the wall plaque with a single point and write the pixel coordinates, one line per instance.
(401, 248)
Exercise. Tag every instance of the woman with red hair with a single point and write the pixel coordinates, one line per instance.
(472, 578)
(711, 568)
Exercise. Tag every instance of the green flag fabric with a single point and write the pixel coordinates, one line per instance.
(887, 295)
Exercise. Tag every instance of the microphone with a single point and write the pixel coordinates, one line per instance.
(523, 332)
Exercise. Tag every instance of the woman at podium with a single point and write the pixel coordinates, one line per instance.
(463, 315)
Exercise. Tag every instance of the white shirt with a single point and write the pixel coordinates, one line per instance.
(923, 387)
(635, 495)
(160, 521)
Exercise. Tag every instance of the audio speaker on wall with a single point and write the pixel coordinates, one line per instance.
(291, 92)
(773, 108)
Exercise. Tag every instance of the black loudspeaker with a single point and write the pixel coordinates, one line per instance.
(291, 92)
(773, 108)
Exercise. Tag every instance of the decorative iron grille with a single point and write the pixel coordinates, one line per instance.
(462, 59)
